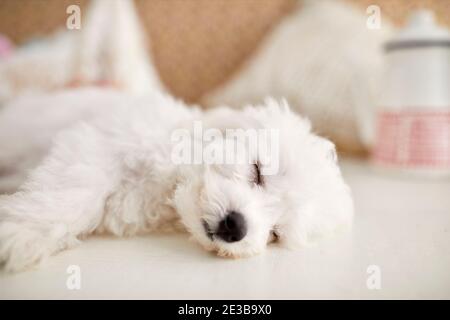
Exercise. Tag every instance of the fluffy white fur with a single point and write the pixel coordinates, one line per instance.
(110, 48)
(28, 124)
(113, 173)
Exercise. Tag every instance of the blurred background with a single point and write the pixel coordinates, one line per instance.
(197, 44)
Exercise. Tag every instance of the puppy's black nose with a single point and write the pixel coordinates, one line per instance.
(232, 228)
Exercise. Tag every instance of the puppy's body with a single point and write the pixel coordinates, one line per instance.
(103, 174)
(114, 173)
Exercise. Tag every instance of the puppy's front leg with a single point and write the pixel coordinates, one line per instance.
(62, 199)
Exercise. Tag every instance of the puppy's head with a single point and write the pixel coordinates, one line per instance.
(288, 189)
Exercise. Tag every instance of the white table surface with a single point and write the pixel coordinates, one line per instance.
(401, 225)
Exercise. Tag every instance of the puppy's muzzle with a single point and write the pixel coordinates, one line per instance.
(232, 228)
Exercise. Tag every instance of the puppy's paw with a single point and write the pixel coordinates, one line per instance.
(24, 244)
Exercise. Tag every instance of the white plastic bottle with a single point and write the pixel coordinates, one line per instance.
(413, 119)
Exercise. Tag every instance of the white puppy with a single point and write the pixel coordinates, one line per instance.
(115, 173)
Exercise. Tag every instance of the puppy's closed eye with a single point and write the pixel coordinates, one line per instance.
(273, 237)
(258, 179)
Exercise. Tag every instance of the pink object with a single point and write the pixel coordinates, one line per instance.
(6, 47)
(413, 121)
(418, 139)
